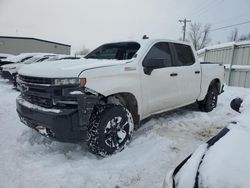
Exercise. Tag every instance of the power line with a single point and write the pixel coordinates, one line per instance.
(231, 18)
(206, 8)
(228, 26)
(201, 5)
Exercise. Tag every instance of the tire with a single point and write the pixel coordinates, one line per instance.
(210, 101)
(110, 129)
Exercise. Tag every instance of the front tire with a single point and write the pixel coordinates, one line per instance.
(110, 129)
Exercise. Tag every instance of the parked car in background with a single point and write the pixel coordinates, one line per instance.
(103, 97)
(9, 71)
(223, 161)
(17, 58)
(4, 56)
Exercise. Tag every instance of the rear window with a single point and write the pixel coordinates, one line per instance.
(118, 51)
(184, 54)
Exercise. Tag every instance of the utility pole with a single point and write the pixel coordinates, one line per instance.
(185, 21)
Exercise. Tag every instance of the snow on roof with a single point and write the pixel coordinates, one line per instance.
(224, 45)
(5, 55)
(238, 67)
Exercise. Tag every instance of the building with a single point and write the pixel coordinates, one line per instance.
(17, 45)
(236, 58)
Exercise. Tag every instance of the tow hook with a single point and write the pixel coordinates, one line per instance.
(44, 131)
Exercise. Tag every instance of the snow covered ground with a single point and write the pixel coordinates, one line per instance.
(30, 160)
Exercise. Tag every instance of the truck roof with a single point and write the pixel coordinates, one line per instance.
(145, 41)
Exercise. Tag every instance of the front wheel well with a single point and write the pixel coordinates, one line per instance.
(127, 100)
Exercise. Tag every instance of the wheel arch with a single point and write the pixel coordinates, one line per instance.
(215, 82)
(129, 101)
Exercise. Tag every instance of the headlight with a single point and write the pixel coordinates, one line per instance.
(69, 81)
(9, 68)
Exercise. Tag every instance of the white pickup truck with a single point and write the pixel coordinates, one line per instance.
(101, 99)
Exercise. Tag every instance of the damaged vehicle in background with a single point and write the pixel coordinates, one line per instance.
(222, 162)
(102, 98)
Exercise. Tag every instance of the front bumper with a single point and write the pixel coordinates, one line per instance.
(7, 75)
(63, 124)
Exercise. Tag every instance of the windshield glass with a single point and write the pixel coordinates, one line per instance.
(118, 51)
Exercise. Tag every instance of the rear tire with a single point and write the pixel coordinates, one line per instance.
(210, 101)
(110, 129)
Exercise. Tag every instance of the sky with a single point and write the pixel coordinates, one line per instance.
(90, 23)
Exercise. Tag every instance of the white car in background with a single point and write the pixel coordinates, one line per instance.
(9, 71)
(15, 59)
(4, 56)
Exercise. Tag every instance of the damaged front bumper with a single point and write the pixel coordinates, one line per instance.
(65, 124)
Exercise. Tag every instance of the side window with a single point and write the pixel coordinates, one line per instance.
(42, 59)
(185, 55)
(160, 51)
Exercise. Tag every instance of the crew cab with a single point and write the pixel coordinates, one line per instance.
(102, 98)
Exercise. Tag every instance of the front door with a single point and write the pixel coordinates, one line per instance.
(159, 87)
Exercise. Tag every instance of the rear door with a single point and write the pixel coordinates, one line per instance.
(189, 73)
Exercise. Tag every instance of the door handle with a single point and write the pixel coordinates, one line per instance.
(173, 74)
(197, 72)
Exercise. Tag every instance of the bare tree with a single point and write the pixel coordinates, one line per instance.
(199, 35)
(83, 51)
(233, 36)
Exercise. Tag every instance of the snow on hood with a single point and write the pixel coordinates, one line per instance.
(12, 66)
(65, 68)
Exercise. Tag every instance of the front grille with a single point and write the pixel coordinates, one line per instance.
(36, 80)
(40, 101)
(42, 92)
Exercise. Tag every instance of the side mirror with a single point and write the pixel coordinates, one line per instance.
(236, 104)
(151, 64)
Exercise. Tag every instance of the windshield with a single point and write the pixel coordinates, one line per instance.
(118, 51)
(31, 60)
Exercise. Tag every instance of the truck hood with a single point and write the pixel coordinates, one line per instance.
(65, 68)
(12, 66)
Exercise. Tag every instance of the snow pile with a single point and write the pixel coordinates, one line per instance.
(30, 160)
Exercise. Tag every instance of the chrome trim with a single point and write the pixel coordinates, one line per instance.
(66, 102)
(33, 84)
